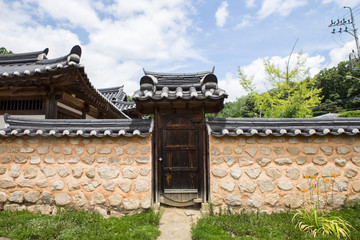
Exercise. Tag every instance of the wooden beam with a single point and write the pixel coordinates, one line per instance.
(50, 104)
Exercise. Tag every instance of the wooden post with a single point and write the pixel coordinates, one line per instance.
(51, 105)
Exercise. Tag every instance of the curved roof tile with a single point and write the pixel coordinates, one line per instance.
(282, 126)
(76, 127)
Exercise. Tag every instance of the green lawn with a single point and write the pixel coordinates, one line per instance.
(263, 226)
(73, 224)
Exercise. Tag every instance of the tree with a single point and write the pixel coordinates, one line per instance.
(3, 51)
(293, 93)
(340, 88)
(242, 107)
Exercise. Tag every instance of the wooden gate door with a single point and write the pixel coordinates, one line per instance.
(180, 165)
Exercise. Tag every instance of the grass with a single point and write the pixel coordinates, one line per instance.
(264, 226)
(73, 224)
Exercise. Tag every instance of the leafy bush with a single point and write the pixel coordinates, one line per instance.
(73, 224)
(324, 224)
(355, 113)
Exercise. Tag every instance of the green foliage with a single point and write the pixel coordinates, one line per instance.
(350, 114)
(73, 224)
(243, 107)
(3, 51)
(321, 224)
(337, 90)
(265, 226)
(293, 93)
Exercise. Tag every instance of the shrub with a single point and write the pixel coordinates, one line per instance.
(355, 113)
(324, 224)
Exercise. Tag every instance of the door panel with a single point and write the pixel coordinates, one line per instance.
(179, 168)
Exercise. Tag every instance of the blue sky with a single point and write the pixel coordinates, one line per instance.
(120, 37)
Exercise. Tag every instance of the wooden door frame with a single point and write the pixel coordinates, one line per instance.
(203, 161)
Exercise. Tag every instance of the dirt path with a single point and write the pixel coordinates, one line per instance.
(175, 223)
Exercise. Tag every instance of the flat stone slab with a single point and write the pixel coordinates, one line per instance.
(175, 223)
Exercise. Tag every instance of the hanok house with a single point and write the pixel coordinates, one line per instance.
(32, 85)
(178, 157)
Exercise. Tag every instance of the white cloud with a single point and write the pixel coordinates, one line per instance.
(256, 68)
(250, 3)
(341, 3)
(341, 54)
(246, 21)
(222, 14)
(281, 7)
(123, 36)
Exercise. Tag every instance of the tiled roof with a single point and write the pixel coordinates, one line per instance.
(157, 86)
(24, 64)
(118, 97)
(75, 127)
(282, 126)
(26, 69)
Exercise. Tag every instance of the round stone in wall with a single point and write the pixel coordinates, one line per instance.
(293, 200)
(340, 162)
(310, 150)
(263, 161)
(130, 172)
(141, 186)
(115, 200)
(230, 161)
(273, 173)
(356, 186)
(97, 199)
(77, 172)
(293, 173)
(109, 186)
(48, 171)
(14, 171)
(79, 200)
(32, 197)
(228, 186)
(63, 172)
(7, 183)
(247, 187)
(356, 160)
(343, 150)
(57, 185)
(283, 161)
(62, 199)
(319, 161)
(17, 197)
(330, 171)
(255, 201)
(219, 172)
(233, 200)
(235, 173)
(266, 185)
(272, 199)
(131, 204)
(108, 173)
(244, 161)
(285, 185)
(310, 171)
(30, 173)
(335, 200)
(253, 173)
(125, 185)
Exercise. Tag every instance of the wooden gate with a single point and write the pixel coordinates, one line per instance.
(180, 141)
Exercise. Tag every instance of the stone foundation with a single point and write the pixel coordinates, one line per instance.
(277, 173)
(108, 175)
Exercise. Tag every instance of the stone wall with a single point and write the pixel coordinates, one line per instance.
(276, 173)
(108, 175)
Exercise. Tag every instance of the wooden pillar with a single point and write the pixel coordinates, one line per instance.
(85, 110)
(51, 105)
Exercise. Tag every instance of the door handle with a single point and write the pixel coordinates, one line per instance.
(160, 159)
